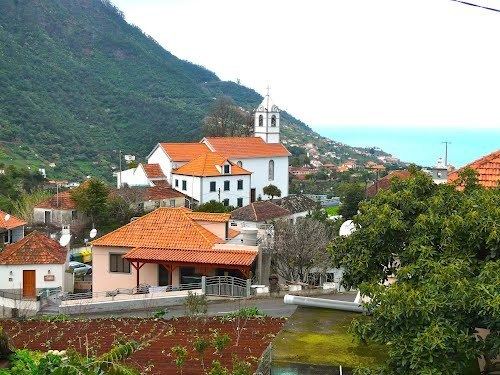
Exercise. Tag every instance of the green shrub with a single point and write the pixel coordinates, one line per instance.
(195, 304)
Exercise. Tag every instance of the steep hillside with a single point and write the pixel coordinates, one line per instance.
(78, 83)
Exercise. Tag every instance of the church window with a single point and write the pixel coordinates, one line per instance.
(273, 120)
(261, 120)
(271, 170)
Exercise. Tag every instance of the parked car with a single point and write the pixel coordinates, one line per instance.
(80, 268)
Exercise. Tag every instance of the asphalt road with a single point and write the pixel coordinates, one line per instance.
(269, 306)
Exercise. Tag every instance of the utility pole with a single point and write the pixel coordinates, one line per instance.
(219, 195)
(120, 163)
(446, 143)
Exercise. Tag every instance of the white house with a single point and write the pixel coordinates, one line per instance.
(262, 155)
(212, 177)
(32, 264)
(11, 228)
(142, 175)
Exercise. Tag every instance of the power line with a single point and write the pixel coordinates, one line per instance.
(476, 5)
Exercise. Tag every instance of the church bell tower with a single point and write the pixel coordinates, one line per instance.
(267, 121)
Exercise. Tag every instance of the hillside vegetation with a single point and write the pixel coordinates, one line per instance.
(78, 83)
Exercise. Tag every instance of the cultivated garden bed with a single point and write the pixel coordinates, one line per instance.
(194, 343)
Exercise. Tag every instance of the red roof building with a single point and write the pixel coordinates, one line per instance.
(210, 164)
(260, 212)
(171, 240)
(487, 168)
(35, 248)
(8, 221)
(11, 228)
(385, 182)
(245, 147)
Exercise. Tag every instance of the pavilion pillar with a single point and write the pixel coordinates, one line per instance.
(137, 265)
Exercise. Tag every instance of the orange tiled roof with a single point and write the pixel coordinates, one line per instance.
(231, 233)
(164, 228)
(246, 147)
(61, 201)
(209, 216)
(259, 211)
(12, 223)
(35, 248)
(153, 171)
(488, 169)
(206, 165)
(385, 182)
(233, 257)
(184, 151)
(159, 192)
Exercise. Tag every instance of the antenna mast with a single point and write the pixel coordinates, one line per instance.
(446, 143)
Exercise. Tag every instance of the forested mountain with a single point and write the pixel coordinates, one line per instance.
(77, 83)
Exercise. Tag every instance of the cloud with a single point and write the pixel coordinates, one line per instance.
(389, 62)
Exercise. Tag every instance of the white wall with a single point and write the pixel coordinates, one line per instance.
(199, 188)
(40, 271)
(132, 177)
(158, 156)
(260, 175)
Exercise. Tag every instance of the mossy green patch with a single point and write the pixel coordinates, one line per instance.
(321, 337)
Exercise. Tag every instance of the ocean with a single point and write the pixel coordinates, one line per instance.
(422, 146)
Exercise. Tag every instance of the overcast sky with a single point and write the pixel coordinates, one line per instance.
(398, 63)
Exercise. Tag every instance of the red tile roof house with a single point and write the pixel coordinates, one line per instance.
(384, 183)
(31, 265)
(169, 246)
(487, 167)
(11, 228)
(212, 177)
(60, 209)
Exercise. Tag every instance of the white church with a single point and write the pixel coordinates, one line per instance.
(231, 170)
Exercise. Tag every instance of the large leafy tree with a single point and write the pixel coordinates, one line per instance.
(351, 195)
(441, 244)
(106, 211)
(226, 119)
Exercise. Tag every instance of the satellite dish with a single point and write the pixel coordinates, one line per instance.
(64, 240)
(7, 217)
(93, 233)
(347, 228)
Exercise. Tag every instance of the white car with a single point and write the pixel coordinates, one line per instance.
(79, 268)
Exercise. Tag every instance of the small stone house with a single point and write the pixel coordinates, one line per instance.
(60, 209)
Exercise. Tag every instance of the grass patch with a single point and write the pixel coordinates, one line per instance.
(332, 211)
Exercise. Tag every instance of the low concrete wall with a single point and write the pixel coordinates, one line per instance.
(24, 307)
(124, 302)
